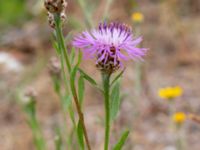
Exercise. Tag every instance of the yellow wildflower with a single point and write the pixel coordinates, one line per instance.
(170, 92)
(137, 17)
(179, 117)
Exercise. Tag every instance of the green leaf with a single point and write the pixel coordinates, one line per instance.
(115, 101)
(71, 114)
(56, 47)
(81, 89)
(121, 141)
(55, 44)
(66, 100)
(30, 108)
(73, 74)
(72, 79)
(87, 77)
(56, 84)
(72, 55)
(72, 83)
(58, 139)
(117, 77)
(80, 135)
(79, 58)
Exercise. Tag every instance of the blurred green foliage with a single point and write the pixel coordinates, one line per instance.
(12, 12)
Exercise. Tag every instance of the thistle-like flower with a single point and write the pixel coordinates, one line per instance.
(110, 44)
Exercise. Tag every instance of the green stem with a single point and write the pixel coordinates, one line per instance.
(38, 138)
(106, 85)
(81, 116)
(35, 127)
(64, 111)
(60, 40)
(64, 59)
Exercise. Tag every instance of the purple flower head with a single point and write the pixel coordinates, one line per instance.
(110, 44)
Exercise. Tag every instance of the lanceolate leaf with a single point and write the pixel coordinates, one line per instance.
(72, 79)
(79, 58)
(55, 45)
(115, 100)
(66, 100)
(80, 135)
(117, 77)
(122, 140)
(71, 114)
(73, 74)
(87, 77)
(81, 89)
(72, 55)
(56, 84)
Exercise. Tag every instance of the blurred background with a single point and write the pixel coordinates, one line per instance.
(170, 29)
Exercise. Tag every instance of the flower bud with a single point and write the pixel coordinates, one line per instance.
(55, 6)
(51, 20)
(29, 96)
(55, 67)
(30, 92)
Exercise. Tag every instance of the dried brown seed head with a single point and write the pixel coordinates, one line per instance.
(55, 6)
